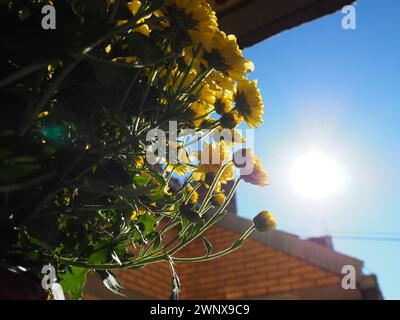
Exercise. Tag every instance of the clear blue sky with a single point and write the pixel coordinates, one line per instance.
(336, 91)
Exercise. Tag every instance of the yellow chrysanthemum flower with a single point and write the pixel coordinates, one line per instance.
(108, 48)
(223, 54)
(192, 17)
(230, 136)
(138, 162)
(200, 112)
(231, 119)
(223, 102)
(194, 195)
(43, 114)
(218, 81)
(211, 158)
(180, 169)
(183, 160)
(167, 190)
(188, 57)
(133, 7)
(206, 95)
(249, 102)
(258, 176)
(218, 199)
(137, 213)
(169, 210)
(179, 79)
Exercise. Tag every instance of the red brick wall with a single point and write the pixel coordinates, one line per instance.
(153, 281)
(255, 270)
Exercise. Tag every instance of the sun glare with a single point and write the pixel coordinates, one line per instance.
(315, 175)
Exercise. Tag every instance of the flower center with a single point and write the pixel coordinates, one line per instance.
(220, 106)
(181, 19)
(242, 104)
(216, 61)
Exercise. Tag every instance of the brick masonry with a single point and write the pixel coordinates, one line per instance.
(254, 271)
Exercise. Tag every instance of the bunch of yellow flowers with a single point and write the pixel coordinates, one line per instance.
(103, 95)
(210, 78)
(218, 72)
(205, 86)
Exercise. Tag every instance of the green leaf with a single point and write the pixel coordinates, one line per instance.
(100, 255)
(156, 195)
(158, 177)
(73, 282)
(140, 181)
(155, 238)
(147, 222)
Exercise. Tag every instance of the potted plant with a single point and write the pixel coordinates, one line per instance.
(80, 102)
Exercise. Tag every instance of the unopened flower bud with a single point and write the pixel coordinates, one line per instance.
(230, 120)
(264, 221)
(209, 179)
(190, 214)
(218, 199)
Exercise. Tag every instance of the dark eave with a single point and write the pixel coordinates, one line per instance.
(255, 20)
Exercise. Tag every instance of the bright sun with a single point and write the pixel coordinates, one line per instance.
(315, 175)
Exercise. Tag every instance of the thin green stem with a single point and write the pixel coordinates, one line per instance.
(22, 72)
(123, 28)
(220, 212)
(212, 187)
(196, 52)
(235, 246)
(216, 217)
(109, 266)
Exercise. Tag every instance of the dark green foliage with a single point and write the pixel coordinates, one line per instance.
(72, 124)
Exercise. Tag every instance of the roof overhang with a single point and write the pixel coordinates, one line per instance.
(316, 254)
(255, 20)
